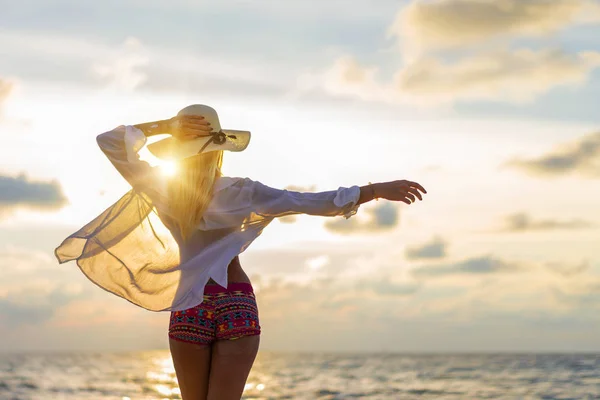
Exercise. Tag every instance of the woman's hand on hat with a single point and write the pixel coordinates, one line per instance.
(189, 127)
(402, 190)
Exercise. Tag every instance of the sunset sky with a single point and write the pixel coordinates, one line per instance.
(491, 105)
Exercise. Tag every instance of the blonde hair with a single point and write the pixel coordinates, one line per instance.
(191, 189)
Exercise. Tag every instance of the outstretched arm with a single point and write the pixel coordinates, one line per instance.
(271, 202)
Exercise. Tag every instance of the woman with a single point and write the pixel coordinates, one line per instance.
(173, 244)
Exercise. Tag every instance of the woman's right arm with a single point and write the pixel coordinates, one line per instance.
(270, 202)
(401, 190)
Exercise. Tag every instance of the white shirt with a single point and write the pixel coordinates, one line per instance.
(133, 251)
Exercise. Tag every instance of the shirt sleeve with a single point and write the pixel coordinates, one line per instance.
(121, 145)
(271, 202)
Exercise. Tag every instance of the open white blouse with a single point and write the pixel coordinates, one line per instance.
(133, 248)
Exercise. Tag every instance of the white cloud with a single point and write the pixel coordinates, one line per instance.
(568, 271)
(509, 75)
(352, 293)
(494, 70)
(425, 26)
(135, 65)
(435, 248)
(348, 77)
(381, 217)
(6, 89)
(522, 222)
(316, 263)
(579, 157)
(20, 260)
(122, 69)
(476, 266)
(506, 75)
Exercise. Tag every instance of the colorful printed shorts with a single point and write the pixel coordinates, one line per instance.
(224, 314)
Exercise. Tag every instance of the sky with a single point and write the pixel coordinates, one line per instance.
(490, 105)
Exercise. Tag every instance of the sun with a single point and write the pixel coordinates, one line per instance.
(168, 168)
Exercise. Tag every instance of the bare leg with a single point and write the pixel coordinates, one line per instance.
(230, 366)
(192, 366)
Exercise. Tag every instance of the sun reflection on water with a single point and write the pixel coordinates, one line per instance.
(161, 376)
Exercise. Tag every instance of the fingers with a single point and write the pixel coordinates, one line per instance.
(193, 122)
(415, 192)
(191, 135)
(416, 185)
(191, 118)
(193, 126)
(196, 127)
(409, 191)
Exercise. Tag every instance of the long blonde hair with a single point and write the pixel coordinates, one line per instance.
(191, 189)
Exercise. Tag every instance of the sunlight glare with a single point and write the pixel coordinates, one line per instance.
(168, 168)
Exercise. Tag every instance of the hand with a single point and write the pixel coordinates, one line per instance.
(405, 191)
(188, 127)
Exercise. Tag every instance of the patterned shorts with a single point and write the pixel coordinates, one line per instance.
(224, 314)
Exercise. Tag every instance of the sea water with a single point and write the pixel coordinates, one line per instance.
(150, 375)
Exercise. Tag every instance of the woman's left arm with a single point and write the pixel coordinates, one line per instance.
(156, 127)
(122, 144)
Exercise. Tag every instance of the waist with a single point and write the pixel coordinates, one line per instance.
(235, 273)
(231, 287)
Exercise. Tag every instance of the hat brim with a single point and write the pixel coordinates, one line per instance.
(175, 149)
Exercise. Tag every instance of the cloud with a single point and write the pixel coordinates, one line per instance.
(436, 248)
(6, 89)
(122, 70)
(425, 26)
(581, 157)
(21, 192)
(381, 218)
(386, 287)
(33, 286)
(504, 75)
(495, 71)
(474, 266)
(509, 75)
(522, 222)
(304, 262)
(346, 77)
(581, 294)
(36, 303)
(149, 65)
(568, 270)
(25, 260)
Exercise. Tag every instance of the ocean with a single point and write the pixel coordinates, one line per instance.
(150, 375)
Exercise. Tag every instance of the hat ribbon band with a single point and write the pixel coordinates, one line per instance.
(218, 137)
